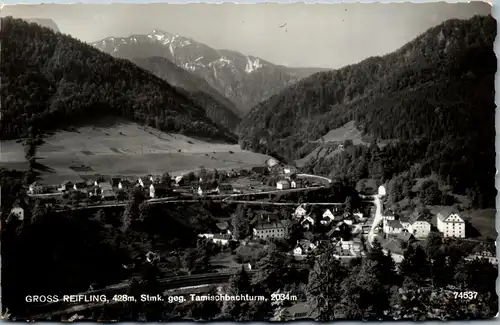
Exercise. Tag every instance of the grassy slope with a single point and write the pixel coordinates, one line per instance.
(127, 149)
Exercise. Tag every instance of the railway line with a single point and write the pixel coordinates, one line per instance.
(179, 282)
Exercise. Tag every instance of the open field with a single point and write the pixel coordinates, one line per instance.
(337, 136)
(347, 131)
(126, 149)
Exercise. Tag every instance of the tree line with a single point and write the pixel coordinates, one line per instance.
(51, 80)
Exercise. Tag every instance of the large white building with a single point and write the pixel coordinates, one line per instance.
(451, 225)
(271, 230)
(420, 228)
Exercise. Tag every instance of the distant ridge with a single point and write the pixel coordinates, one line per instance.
(45, 22)
(72, 82)
(245, 80)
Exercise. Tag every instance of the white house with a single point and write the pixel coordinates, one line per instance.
(328, 217)
(207, 188)
(144, 181)
(35, 188)
(388, 215)
(208, 236)
(271, 230)
(300, 211)
(328, 214)
(420, 228)
(66, 186)
(392, 227)
(283, 185)
(304, 247)
(381, 190)
(293, 184)
(346, 244)
(307, 222)
(80, 186)
(125, 184)
(451, 225)
(221, 239)
(158, 190)
(18, 212)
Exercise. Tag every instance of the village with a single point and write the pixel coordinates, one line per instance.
(335, 222)
(98, 189)
(295, 227)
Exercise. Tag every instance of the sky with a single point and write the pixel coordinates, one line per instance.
(315, 35)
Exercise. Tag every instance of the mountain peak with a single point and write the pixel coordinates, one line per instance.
(244, 79)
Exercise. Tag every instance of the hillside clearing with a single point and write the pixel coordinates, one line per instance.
(126, 149)
(333, 138)
(347, 131)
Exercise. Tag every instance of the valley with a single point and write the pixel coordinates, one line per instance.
(136, 161)
(126, 148)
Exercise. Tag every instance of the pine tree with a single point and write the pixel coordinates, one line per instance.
(323, 289)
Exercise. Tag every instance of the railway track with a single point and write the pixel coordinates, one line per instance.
(180, 282)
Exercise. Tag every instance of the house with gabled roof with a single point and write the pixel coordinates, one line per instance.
(307, 222)
(405, 236)
(145, 181)
(300, 211)
(35, 188)
(17, 211)
(125, 184)
(80, 186)
(304, 247)
(108, 194)
(392, 227)
(157, 190)
(65, 186)
(420, 228)
(207, 188)
(328, 215)
(451, 225)
(283, 184)
(389, 215)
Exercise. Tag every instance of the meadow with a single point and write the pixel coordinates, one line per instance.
(127, 149)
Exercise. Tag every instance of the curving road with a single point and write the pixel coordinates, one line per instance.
(315, 176)
(377, 220)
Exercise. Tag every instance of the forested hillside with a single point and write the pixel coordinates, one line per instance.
(218, 109)
(50, 80)
(435, 96)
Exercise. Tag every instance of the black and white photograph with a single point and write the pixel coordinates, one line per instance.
(248, 162)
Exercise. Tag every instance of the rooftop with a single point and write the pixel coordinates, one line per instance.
(273, 225)
(221, 236)
(394, 224)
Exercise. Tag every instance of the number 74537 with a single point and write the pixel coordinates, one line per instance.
(465, 295)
